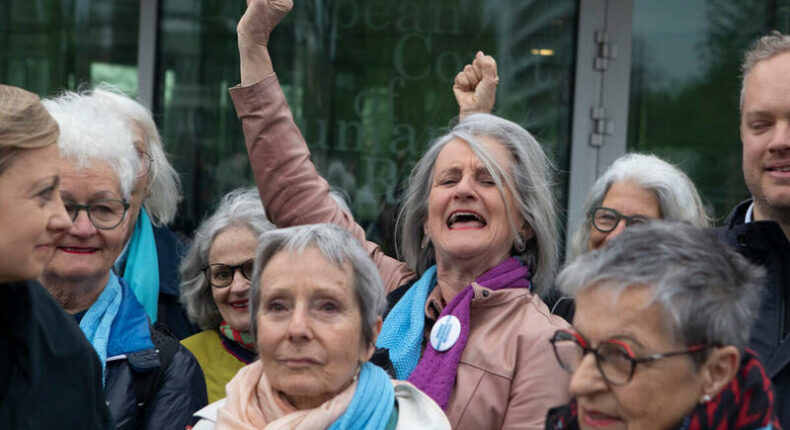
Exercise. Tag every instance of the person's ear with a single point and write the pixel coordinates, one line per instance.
(719, 370)
(372, 346)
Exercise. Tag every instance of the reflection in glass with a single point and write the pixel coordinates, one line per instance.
(369, 83)
(685, 85)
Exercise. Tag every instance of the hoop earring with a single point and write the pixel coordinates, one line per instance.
(425, 241)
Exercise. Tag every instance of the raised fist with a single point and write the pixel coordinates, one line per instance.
(261, 17)
(475, 86)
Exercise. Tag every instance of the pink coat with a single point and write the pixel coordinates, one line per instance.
(508, 377)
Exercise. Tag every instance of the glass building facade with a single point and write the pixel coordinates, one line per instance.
(370, 83)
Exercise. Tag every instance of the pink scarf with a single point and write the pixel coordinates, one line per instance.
(251, 404)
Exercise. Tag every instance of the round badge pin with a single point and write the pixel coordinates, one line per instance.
(445, 333)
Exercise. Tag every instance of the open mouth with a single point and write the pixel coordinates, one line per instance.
(464, 220)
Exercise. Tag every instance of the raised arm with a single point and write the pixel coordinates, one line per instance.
(475, 86)
(291, 189)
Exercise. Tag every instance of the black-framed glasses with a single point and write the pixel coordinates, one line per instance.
(606, 219)
(221, 275)
(614, 358)
(145, 163)
(104, 214)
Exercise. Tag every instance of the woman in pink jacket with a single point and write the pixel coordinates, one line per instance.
(477, 239)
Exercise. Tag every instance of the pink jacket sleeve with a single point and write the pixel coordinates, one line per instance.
(292, 191)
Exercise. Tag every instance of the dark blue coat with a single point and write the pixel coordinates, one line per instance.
(130, 352)
(765, 244)
(50, 376)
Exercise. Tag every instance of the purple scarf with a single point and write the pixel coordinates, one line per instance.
(436, 372)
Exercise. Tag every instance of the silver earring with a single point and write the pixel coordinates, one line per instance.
(425, 241)
(704, 399)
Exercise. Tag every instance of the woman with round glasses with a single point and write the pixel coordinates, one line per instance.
(151, 254)
(659, 343)
(216, 273)
(150, 380)
(635, 189)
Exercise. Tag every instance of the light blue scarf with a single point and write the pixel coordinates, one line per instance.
(372, 404)
(97, 322)
(142, 265)
(402, 331)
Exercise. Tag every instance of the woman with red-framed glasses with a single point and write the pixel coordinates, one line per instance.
(663, 315)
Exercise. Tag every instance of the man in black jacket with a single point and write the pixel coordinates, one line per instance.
(759, 228)
(50, 376)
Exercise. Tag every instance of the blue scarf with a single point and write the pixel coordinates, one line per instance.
(372, 404)
(97, 322)
(402, 331)
(142, 265)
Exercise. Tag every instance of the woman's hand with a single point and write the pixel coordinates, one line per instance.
(253, 31)
(475, 86)
(260, 19)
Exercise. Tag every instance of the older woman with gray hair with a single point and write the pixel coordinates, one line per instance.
(151, 255)
(663, 315)
(150, 380)
(635, 189)
(477, 234)
(216, 273)
(315, 327)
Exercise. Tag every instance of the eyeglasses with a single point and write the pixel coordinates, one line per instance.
(145, 163)
(221, 275)
(104, 214)
(606, 219)
(614, 358)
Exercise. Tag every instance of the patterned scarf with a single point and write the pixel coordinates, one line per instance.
(746, 403)
(243, 338)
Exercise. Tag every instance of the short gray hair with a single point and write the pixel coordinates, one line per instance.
(241, 206)
(339, 248)
(678, 199)
(165, 185)
(87, 132)
(531, 187)
(708, 292)
(765, 48)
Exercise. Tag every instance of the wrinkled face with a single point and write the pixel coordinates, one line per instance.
(467, 216)
(629, 199)
(660, 394)
(765, 133)
(309, 333)
(86, 252)
(233, 246)
(32, 216)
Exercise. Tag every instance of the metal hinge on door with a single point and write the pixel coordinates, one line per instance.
(606, 51)
(602, 126)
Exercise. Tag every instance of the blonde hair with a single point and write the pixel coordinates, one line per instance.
(24, 124)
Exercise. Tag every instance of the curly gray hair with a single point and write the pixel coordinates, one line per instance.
(239, 207)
